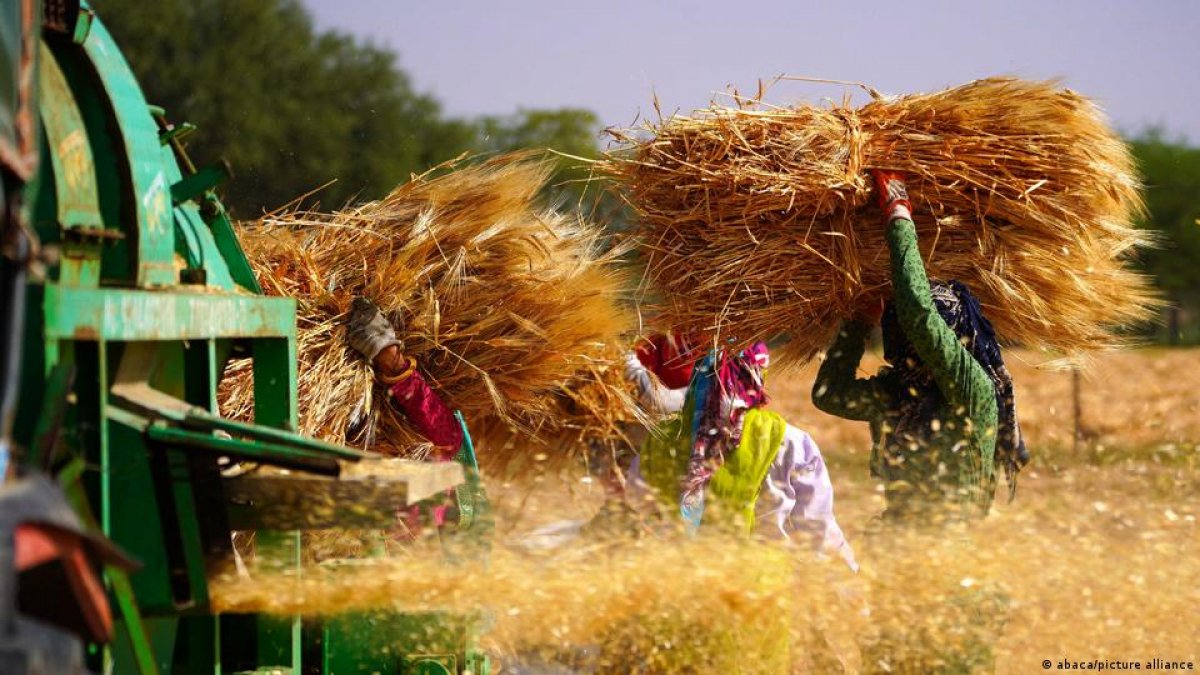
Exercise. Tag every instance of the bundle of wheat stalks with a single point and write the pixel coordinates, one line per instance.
(759, 220)
(501, 301)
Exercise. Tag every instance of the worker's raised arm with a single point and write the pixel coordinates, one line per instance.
(838, 390)
(958, 375)
(370, 333)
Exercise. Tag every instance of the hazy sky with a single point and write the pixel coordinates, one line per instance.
(1139, 58)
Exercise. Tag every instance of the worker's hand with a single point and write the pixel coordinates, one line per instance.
(390, 363)
(368, 330)
(892, 194)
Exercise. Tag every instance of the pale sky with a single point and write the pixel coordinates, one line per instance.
(1139, 59)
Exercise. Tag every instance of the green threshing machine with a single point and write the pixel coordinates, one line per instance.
(125, 293)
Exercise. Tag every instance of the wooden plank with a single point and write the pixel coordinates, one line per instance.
(367, 495)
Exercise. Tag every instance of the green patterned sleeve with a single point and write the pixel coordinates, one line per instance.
(958, 375)
(838, 390)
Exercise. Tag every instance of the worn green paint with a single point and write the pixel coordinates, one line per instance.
(131, 315)
(70, 154)
(65, 195)
(149, 183)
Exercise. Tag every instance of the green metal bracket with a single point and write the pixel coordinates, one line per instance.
(279, 455)
(227, 244)
(200, 420)
(83, 26)
(196, 184)
(177, 132)
(54, 405)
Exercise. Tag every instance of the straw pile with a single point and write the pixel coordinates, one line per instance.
(594, 411)
(502, 302)
(758, 220)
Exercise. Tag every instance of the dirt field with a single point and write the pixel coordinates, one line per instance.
(1144, 400)
(1098, 558)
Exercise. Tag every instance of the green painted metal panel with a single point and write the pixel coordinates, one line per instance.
(69, 152)
(275, 396)
(112, 166)
(227, 242)
(275, 391)
(132, 315)
(66, 193)
(149, 182)
(162, 634)
(139, 510)
(195, 243)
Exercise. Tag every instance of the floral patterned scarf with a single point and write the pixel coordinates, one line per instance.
(724, 387)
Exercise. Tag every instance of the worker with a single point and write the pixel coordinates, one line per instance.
(661, 369)
(370, 333)
(726, 454)
(942, 412)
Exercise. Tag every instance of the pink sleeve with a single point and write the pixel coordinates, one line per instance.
(429, 413)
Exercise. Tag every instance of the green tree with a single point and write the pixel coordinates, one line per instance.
(572, 137)
(1171, 171)
(291, 108)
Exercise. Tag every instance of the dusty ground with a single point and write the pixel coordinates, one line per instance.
(1097, 558)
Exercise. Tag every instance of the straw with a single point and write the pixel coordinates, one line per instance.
(756, 221)
(502, 301)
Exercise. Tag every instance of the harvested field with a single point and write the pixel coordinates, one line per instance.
(1098, 558)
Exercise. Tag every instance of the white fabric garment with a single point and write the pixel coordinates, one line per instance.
(796, 500)
(653, 395)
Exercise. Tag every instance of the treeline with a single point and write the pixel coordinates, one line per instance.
(293, 107)
(1171, 171)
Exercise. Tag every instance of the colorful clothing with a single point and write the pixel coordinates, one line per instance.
(447, 432)
(670, 357)
(767, 474)
(794, 498)
(653, 394)
(933, 444)
(429, 414)
(727, 387)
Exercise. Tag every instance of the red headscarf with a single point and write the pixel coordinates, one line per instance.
(670, 357)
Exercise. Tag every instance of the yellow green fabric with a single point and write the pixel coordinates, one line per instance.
(663, 458)
(736, 484)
